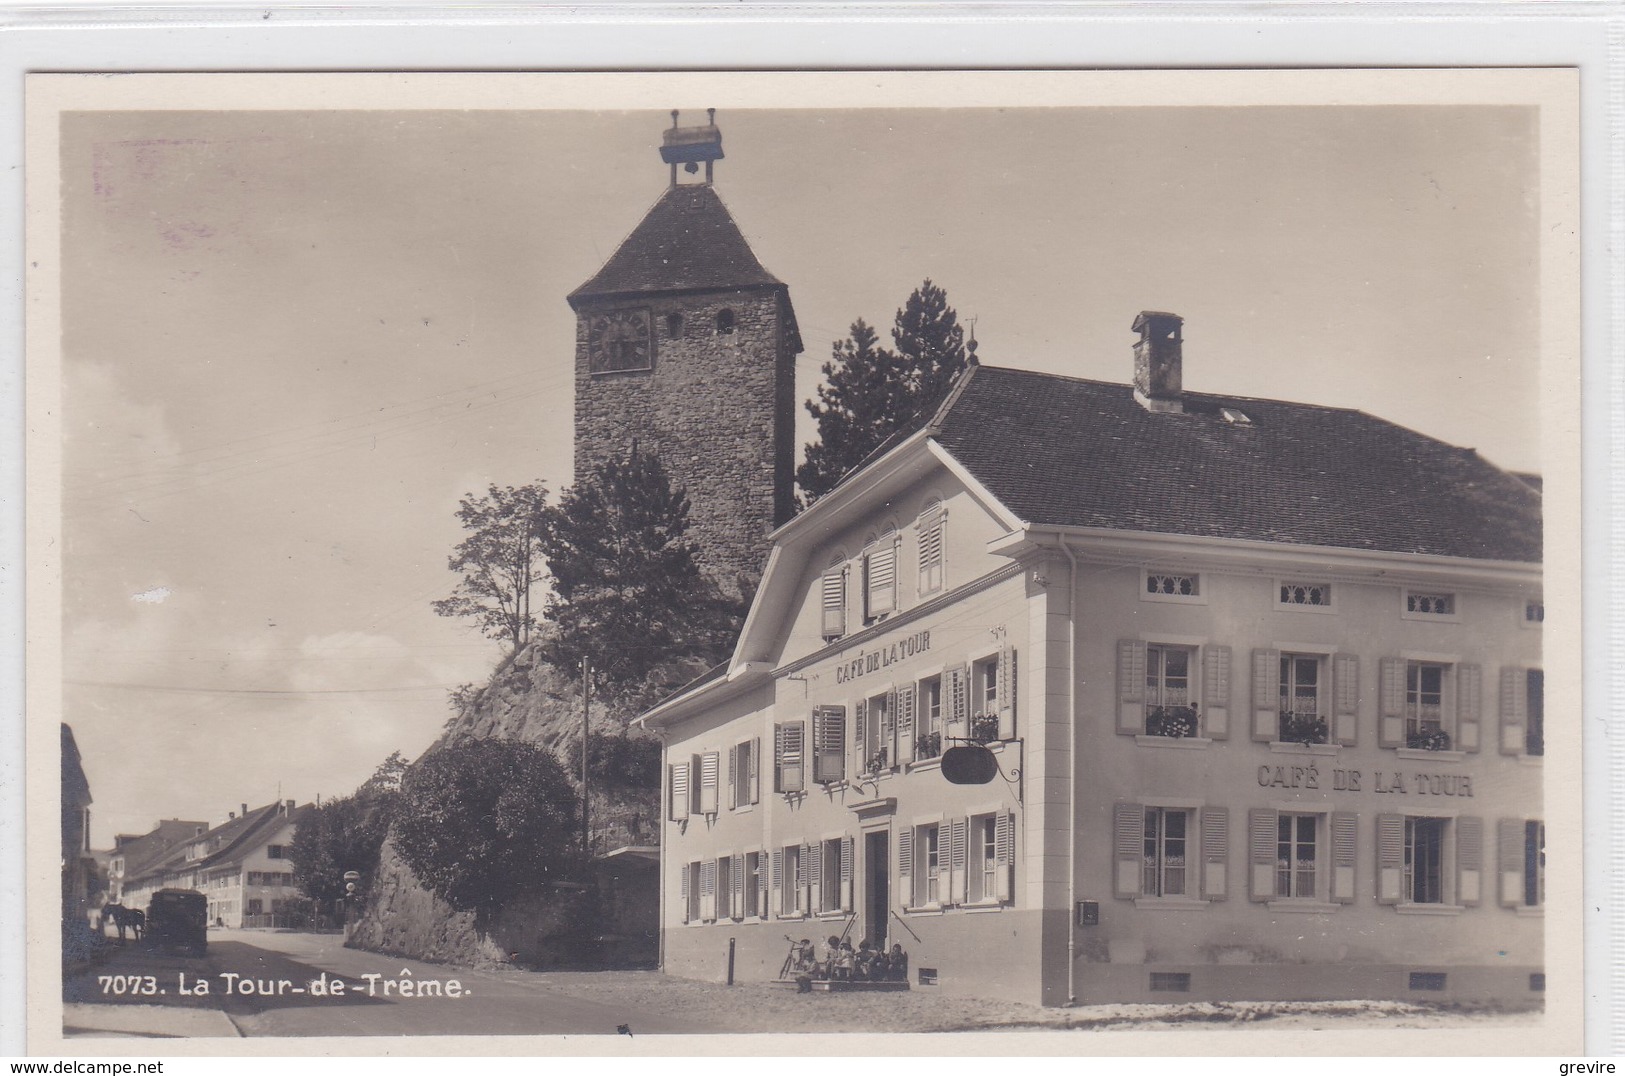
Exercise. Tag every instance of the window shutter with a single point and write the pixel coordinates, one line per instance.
(930, 532)
(881, 570)
(1128, 842)
(1469, 706)
(1004, 855)
(1344, 836)
(1130, 687)
(813, 856)
(905, 866)
(1514, 710)
(708, 889)
(1469, 861)
(682, 888)
(733, 777)
(1007, 692)
(1215, 852)
(835, 602)
(679, 791)
(829, 744)
(1267, 700)
(958, 878)
(738, 873)
(1346, 685)
(789, 757)
(1391, 724)
(888, 729)
(1216, 692)
(956, 681)
(755, 779)
(1390, 858)
(710, 763)
(906, 697)
(846, 874)
(1509, 842)
(1262, 834)
(777, 874)
(860, 736)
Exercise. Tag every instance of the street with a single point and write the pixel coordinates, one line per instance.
(254, 983)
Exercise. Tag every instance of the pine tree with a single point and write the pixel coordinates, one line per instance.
(870, 393)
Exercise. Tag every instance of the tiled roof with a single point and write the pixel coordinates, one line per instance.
(1068, 452)
(686, 242)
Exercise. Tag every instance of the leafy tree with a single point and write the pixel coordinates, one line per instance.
(871, 392)
(500, 561)
(482, 821)
(623, 761)
(346, 834)
(628, 593)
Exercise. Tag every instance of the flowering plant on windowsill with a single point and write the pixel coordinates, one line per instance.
(984, 728)
(1174, 722)
(1429, 740)
(927, 746)
(877, 763)
(1302, 728)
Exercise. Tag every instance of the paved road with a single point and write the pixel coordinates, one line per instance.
(262, 984)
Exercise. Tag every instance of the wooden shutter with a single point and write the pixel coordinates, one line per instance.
(829, 744)
(1267, 698)
(906, 697)
(1004, 855)
(1128, 844)
(708, 889)
(1509, 861)
(1216, 692)
(1391, 723)
(834, 588)
(880, 569)
(958, 877)
(1130, 687)
(1007, 692)
(846, 874)
(1469, 706)
(1262, 834)
(1469, 861)
(1390, 858)
(1346, 699)
(789, 757)
(1215, 852)
(754, 781)
(905, 866)
(930, 533)
(812, 859)
(738, 872)
(1514, 710)
(710, 764)
(888, 729)
(682, 888)
(777, 879)
(679, 791)
(956, 682)
(860, 737)
(1345, 825)
(733, 777)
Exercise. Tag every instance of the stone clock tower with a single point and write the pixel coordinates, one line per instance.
(687, 346)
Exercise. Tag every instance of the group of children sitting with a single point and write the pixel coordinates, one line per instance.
(837, 960)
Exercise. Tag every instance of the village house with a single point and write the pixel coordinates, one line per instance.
(1262, 681)
(241, 866)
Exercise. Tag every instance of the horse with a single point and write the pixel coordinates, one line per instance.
(132, 919)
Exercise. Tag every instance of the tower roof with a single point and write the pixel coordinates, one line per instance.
(686, 242)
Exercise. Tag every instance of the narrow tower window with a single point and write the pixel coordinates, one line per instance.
(674, 326)
(725, 322)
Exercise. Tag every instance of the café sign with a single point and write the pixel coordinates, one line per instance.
(868, 661)
(1382, 782)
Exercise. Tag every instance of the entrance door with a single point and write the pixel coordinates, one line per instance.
(877, 886)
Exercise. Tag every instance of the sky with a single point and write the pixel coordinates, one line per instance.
(293, 340)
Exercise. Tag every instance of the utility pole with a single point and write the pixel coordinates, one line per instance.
(586, 733)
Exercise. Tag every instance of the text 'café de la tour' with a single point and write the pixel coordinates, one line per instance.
(1261, 680)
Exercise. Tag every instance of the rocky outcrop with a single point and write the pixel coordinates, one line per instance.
(526, 699)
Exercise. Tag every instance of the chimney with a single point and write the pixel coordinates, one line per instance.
(1157, 359)
(287, 808)
(245, 810)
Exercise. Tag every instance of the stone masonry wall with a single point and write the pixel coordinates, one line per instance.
(717, 408)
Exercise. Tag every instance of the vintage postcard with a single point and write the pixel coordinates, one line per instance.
(670, 559)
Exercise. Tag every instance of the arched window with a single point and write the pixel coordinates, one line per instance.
(880, 575)
(674, 326)
(725, 322)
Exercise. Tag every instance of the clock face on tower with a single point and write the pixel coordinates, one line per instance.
(619, 340)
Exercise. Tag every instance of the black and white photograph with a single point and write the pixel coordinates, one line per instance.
(890, 554)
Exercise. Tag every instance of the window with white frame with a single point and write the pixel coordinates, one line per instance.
(793, 883)
(1423, 603)
(928, 733)
(984, 676)
(724, 875)
(1170, 708)
(1303, 699)
(875, 750)
(1424, 704)
(985, 859)
(829, 884)
(742, 774)
(790, 756)
(1173, 585)
(1305, 595)
(1296, 858)
(692, 882)
(931, 869)
(1534, 612)
(1166, 833)
(930, 531)
(1423, 878)
(880, 577)
(753, 885)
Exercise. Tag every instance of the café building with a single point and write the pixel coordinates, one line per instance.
(1261, 680)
